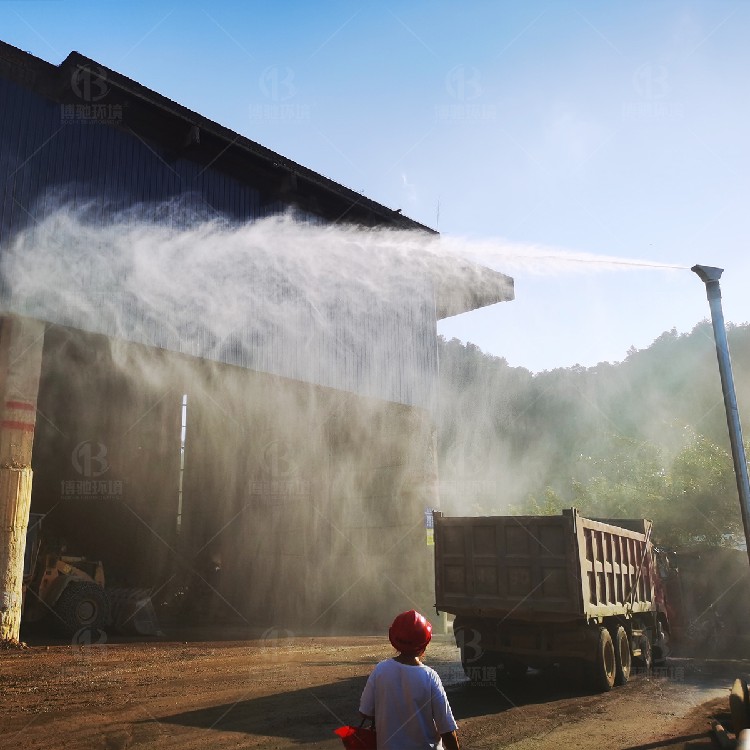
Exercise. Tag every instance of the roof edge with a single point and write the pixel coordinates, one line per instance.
(29, 70)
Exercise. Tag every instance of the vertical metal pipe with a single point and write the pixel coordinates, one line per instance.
(710, 277)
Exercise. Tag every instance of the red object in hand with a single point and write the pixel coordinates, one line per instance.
(357, 738)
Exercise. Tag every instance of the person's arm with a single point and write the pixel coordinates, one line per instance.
(367, 701)
(442, 714)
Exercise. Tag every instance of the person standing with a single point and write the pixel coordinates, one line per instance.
(406, 698)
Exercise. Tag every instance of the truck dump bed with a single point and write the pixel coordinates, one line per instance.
(542, 567)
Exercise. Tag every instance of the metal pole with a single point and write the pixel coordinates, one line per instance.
(710, 277)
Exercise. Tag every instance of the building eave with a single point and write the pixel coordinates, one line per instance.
(462, 287)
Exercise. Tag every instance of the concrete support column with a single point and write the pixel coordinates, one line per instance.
(21, 342)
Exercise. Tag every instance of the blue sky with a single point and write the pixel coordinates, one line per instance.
(618, 129)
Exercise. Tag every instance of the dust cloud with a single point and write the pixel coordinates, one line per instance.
(302, 360)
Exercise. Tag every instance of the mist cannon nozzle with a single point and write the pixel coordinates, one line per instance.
(707, 273)
(710, 276)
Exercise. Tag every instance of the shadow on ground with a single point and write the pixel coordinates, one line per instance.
(309, 714)
(304, 715)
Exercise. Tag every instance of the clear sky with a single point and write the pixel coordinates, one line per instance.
(611, 128)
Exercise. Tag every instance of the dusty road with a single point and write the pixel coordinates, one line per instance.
(286, 692)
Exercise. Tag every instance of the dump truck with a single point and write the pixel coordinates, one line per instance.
(535, 591)
(68, 591)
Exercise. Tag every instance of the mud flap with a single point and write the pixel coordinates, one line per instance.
(133, 612)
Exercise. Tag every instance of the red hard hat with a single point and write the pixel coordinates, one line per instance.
(410, 633)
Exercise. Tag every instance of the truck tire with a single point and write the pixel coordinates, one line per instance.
(645, 661)
(82, 604)
(623, 658)
(658, 659)
(604, 667)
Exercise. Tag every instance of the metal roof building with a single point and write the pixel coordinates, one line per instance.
(308, 402)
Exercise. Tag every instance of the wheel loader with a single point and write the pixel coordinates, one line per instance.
(68, 591)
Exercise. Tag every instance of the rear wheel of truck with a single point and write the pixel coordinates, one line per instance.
(81, 605)
(622, 656)
(604, 667)
(645, 661)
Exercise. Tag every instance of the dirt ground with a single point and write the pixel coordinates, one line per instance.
(281, 691)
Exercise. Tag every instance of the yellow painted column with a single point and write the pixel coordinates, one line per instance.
(21, 342)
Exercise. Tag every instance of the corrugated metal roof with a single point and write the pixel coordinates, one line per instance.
(80, 79)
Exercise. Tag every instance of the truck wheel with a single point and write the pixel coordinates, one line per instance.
(622, 656)
(645, 661)
(81, 605)
(604, 667)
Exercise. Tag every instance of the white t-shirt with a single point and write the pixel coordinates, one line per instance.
(409, 704)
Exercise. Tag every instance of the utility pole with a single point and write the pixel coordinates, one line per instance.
(21, 342)
(710, 277)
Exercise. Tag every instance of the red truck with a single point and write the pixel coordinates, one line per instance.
(532, 591)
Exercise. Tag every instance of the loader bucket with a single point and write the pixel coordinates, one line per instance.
(132, 612)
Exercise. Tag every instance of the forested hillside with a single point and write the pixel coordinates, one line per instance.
(646, 437)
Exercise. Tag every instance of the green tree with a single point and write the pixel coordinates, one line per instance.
(645, 437)
(701, 504)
